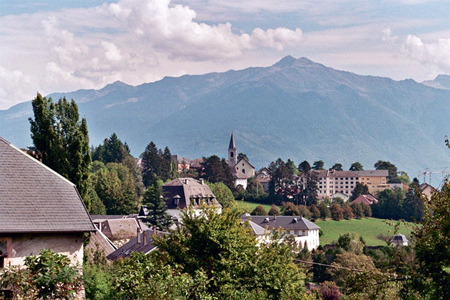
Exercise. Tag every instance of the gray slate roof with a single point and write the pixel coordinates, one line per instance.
(281, 222)
(190, 191)
(134, 246)
(34, 198)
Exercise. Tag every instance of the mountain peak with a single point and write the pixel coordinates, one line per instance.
(289, 61)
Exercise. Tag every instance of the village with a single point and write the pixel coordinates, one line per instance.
(43, 210)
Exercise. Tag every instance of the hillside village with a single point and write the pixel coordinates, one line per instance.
(161, 195)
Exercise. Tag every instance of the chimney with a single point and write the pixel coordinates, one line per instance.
(274, 217)
(202, 181)
(138, 235)
(145, 237)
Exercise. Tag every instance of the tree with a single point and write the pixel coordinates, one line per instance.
(290, 209)
(112, 150)
(223, 194)
(358, 210)
(389, 204)
(225, 252)
(259, 211)
(315, 212)
(242, 156)
(217, 170)
(430, 275)
(310, 192)
(324, 211)
(337, 212)
(386, 165)
(291, 168)
(348, 212)
(274, 211)
(157, 164)
(336, 167)
(61, 140)
(47, 276)
(356, 166)
(156, 206)
(304, 167)
(360, 189)
(412, 206)
(329, 291)
(114, 185)
(318, 165)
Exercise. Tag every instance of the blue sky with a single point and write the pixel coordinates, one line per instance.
(56, 46)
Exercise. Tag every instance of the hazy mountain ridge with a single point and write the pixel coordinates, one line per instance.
(294, 109)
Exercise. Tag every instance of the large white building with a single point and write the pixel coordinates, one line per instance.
(333, 183)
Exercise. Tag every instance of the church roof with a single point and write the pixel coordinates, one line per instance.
(232, 144)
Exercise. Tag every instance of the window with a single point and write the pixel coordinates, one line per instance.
(231, 154)
(243, 171)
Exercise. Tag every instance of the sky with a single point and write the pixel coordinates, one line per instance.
(63, 46)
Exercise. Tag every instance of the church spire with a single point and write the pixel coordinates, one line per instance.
(232, 144)
(232, 156)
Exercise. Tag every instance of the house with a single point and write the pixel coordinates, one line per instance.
(400, 240)
(365, 199)
(263, 178)
(242, 170)
(427, 190)
(305, 232)
(183, 164)
(183, 193)
(142, 242)
(39, 209)
(100, 243)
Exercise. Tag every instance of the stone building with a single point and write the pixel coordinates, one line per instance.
(39, 209)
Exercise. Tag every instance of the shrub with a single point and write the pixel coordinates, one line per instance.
(337, 212)
(329, 291)
(274, 211)
(348, 213)
(259, 211)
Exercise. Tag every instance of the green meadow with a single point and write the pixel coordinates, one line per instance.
(250, 206)
(368, 228)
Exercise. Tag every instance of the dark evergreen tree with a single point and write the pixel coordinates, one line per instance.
(360, 189)
(112, 150)
(319, 271)
(356, 166)
(386, 165)
(304, 167)
(156, 206)
(318, 165)
(61, 140)
(412, 207)
(336, 167)
(218, 170)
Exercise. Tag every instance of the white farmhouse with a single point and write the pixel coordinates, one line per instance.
(305, 232)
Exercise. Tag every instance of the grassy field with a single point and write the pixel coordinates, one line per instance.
(367, 228)
(249, 206)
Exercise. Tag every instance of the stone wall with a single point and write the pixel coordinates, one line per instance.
(23, 245)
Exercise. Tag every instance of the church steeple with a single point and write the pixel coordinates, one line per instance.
(232, 155)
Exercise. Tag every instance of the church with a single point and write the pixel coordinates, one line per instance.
(242, 169)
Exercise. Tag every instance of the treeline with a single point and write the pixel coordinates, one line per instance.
(324, 210)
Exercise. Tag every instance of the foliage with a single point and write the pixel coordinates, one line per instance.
(320, 273)
(329, 291)
(358, 210)
(389, 204)
(218, 246)
(156, 206)
(223, 194)
(386, 165)
(337, 213)
(61, 140)
(324, 211)
(310, 192)
(360, 189)
(430, 276)
(290, 209)
(97, 282)
(157, 164)
(259, 211)
(274, 211)
(242, 156)
(46, 276)
(336, 167)
(217, 170)
(356, 166)
(350, 243)
(318, 165)
(112, 150)
(315, 212)
(304, 167)
(348, 212)
(114, 185)
(412, 206)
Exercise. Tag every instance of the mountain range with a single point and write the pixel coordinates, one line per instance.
(295, 109)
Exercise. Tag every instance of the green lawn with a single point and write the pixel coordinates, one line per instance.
(250, 206)
(367, 228)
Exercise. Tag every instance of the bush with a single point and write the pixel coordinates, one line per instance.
(337, 212)
(259, 211)
(324, 211)
(358, 210)
(289, 209)
(274, 211)
(348, 213)
(329, 291)
(315, 212)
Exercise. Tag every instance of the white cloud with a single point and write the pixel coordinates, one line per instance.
(435, 55)
(387, 36)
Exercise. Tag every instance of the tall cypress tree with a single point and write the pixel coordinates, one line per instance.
(61, 140)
